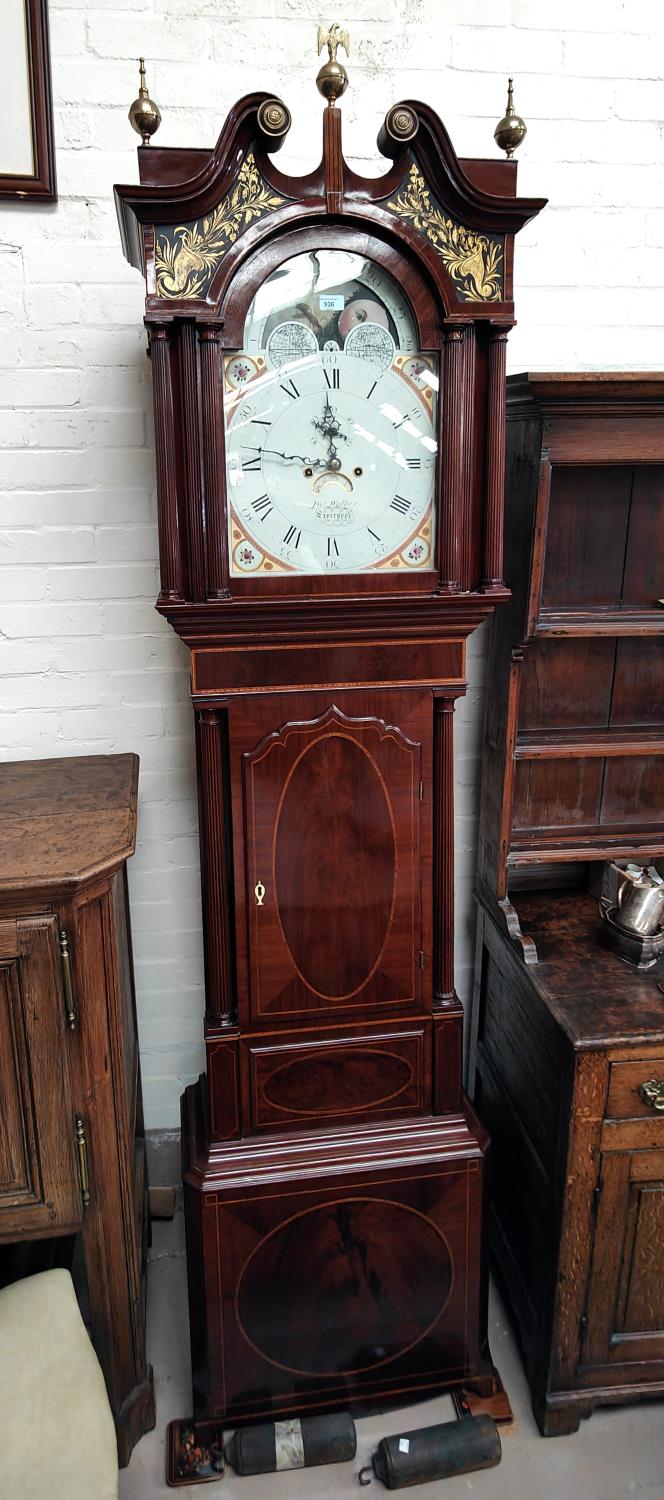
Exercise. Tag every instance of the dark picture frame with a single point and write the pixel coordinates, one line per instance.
(40, 184)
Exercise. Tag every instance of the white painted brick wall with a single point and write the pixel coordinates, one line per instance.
(87, 664)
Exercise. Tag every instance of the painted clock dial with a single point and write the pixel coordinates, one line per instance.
(330, 413)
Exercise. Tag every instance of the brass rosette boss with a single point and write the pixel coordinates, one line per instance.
(274, 122)
(397, 131)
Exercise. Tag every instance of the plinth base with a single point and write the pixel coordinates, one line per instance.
(330, 1269)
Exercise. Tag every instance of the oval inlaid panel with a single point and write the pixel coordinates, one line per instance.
(337, 1081)
(344, 1287)
(335, 865)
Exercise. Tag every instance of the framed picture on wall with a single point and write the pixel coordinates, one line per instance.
(27, 153)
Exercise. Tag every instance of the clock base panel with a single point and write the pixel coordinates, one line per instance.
(333, 1268)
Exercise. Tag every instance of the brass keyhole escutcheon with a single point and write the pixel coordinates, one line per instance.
(259, 892)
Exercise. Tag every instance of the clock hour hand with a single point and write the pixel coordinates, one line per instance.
(329, 426)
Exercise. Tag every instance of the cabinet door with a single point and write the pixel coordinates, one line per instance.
(625, 1313)
(333, 857)
(39, 1188)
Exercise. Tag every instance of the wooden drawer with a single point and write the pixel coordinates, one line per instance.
(338, 1078)
(624, 1101)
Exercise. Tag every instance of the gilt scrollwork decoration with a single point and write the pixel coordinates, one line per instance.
(474, 261)
(187, 256)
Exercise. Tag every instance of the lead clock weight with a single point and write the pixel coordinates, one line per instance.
(293, 1444)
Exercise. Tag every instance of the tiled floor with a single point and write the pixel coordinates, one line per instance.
(618, 1453)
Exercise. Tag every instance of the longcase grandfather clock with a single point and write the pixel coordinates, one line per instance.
(328, 356)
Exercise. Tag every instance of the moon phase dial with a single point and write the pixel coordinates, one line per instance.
(325, 294)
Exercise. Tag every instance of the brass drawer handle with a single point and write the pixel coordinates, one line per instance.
(65, 959)
(652, 1093)
(83, 1165)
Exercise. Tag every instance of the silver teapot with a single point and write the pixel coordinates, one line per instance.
(640, 900)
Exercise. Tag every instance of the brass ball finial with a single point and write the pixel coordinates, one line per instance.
(332, 80)
(509, 131)
(144, 114)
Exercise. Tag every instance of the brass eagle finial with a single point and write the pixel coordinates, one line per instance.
(332, 80)
(333, 38)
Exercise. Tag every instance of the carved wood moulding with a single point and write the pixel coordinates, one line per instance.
(461, 216)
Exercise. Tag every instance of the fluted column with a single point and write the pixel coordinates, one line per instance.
(492, 562)
(213, 465)
(469, 569)
(192, 458)
(451, 477)
(333, 160)
(214, 872)
(170, 557)
(443, 853)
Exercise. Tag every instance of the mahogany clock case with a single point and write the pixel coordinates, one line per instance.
(330, 1268)
(333, 1171)
(331, 1131)
(208, 228)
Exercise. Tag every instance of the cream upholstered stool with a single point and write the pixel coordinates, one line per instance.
(58, 1435)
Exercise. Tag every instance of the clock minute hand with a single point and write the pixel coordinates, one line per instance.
(314, 463)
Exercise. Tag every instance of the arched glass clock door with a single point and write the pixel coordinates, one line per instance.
(330, 411)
